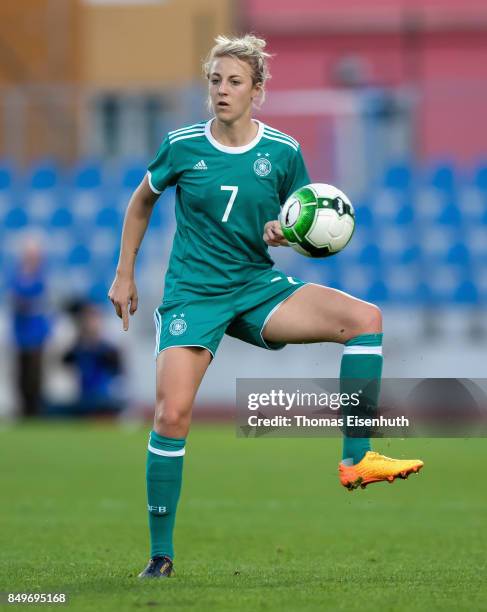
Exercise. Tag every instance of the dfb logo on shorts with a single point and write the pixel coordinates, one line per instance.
(177, 326)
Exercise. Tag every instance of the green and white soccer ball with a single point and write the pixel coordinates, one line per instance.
(318, 220)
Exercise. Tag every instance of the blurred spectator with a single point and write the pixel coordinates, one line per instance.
(31, 324)
(97, 364)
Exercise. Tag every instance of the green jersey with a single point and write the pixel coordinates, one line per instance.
(224, 197)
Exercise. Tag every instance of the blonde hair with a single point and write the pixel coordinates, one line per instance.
(249, 49)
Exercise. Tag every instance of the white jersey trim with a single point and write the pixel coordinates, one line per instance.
(289, 143)
(275, 132)
(186, 346)
(186, 133)
(234, 150)
(185, 136)
(151, 184)
(186, 128)
(158, 322)
(201, 128)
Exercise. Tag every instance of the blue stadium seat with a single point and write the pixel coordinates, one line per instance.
(377, 292)
(370, 255)
(6, 175)
(410, 255)
(98, 292)
(458, 254)
(62, 217)
(450, 215)
(15, 218)
(398, 176)
(364, 216)
(404, 250)
(168, 196)
(156, 219)
(87, 175)
(79, 255)
(480, 176)
(115, 255)
(164, 209)
(442, 176)
(466, 292)
(108, 217)
(405, 215)
(133, 174)
(43, 175)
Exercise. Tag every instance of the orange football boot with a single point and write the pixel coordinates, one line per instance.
(375, 468)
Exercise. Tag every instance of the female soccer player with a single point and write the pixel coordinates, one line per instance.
(232, 175)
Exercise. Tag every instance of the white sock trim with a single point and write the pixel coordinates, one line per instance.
(362, 350)
(163, 453)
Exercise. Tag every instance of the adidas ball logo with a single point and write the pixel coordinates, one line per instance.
(200, 165)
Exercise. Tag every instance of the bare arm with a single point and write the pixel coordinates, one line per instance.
(123, 290)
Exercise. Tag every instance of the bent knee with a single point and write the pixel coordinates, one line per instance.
(368, 320)
(372, 320)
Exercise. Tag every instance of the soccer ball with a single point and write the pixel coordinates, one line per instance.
(317, 220)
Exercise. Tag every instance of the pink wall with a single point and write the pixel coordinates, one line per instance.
(278, 11)
(447, 58)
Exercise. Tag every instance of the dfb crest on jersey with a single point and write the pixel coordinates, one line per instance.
(262, 166)
(177, 326)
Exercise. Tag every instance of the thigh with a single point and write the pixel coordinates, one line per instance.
(179, 372)
(319, 314)
(255, 304)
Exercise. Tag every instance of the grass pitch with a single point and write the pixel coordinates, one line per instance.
(263, 524)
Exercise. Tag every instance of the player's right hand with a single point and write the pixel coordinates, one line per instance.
(122, 293)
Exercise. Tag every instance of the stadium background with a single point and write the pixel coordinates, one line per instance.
(387, 99)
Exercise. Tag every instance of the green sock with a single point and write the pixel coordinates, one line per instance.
(164, 476)
(361, 369)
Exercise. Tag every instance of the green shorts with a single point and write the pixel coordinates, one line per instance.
(202, 321)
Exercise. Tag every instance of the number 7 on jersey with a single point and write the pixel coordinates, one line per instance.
(233, 195)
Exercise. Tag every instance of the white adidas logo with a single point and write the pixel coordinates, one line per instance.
(200, 165)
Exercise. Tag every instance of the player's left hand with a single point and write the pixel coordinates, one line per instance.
(273, 235)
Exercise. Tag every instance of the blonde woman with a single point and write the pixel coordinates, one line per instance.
(232, 174)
